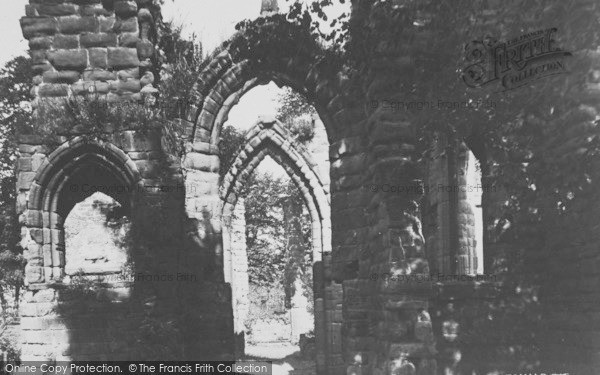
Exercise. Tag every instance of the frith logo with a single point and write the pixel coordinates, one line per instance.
(514, 63)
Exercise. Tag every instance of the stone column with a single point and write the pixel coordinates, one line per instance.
(240, 285)
(394, 246)
(301, 320)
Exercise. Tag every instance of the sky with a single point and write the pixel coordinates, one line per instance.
(13, 43)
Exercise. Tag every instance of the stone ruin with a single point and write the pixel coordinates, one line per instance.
(364, 323)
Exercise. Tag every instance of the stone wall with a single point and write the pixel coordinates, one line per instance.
(102, 47)
(54, 311)
(438, 206)
(236, 260)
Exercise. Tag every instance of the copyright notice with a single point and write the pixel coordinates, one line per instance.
(137, 367)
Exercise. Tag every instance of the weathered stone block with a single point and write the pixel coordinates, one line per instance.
(38, 57)
(106, 24)
(137, 155)
(32, 27)
(66, 41)
(78, 88)
(55, 336)
(41, 68)
(147, 79)
(24, 164)
(121, 57)
(33, 218)
(132, 141)
(53, 90)
(67, 76)
(349, 165)
(129, 25)
(33, 254)
(99, 59)
(47, 295)
(145, 49)
(148, 169)
(74, 59)
(21, 202)
(31, 11)
(29, 309)
(94, 10)
(87, 2)
(122, 87)
(125, 74)
(98, 74)
(57, 9)
(77, 24)
(42, 323)
(31, 139)
(24, 180)
(203, 162)
(125, 9)
(41, 42)
(98, 40)
(58, 258)
(204, 148)
(111, 97)
(128, 39)
(34, 274)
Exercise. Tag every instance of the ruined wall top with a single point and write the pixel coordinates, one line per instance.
(90, 46)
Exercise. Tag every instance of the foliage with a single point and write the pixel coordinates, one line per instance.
(182, 62)
(265, 232)
(266, 40)
(229, 144)
(296, 114)
(93, 116)
(334, 31)
(266, 197)
(15, 113)
(9, 345)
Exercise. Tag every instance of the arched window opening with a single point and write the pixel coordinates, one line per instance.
(290, 108)
(474, 191)
(278, 245)
(96, 232)
(73, 173)
(287, 152)
(452, 209)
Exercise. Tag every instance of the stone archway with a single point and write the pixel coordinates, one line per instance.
(269, 138)
(294, 59)
(71, 173)
(51, 198)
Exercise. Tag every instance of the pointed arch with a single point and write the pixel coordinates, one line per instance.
(293, 59)
(268, 137)
(57, 187)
